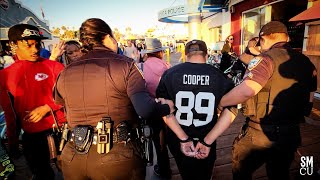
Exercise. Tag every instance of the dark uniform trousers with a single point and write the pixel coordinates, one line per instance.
(36, 151)
(253, 148)
(191, 168)
(122, 162)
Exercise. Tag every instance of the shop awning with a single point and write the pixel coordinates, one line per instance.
(313, 13)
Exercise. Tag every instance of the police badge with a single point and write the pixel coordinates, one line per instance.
(254, 63)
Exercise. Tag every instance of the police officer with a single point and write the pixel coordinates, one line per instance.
(101, 84)
(280, 82)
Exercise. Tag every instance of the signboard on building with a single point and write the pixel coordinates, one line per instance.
(177, 11)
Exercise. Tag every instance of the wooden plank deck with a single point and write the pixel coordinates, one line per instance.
(222, 170)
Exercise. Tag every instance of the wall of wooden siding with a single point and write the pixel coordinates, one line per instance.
(313, 46)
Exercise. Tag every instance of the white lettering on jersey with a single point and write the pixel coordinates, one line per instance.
(194, 102)
(196, 79)
(40, 76)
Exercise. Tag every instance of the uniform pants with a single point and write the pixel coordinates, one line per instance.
(122, 162)
(159, 140)
(252, 149)
(191, 168)
(36, 151)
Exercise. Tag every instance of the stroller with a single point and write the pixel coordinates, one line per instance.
(236, 70)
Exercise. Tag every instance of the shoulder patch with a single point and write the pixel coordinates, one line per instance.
(254, 63)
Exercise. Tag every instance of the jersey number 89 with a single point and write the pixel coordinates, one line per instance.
(194, 102)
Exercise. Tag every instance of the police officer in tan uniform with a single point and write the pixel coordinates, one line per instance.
(280, 83)
(103, 92)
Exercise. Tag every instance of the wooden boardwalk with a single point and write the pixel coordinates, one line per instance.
(222, 169)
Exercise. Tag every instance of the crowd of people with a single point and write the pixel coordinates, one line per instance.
(93, 102)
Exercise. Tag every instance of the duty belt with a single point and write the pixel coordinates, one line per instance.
(95, 140)
(270, 127)
(120, 135)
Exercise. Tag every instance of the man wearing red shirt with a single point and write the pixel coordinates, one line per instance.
(29, 81)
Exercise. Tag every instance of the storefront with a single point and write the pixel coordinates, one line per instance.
(311, 46)
(248, 16)
(199, 15)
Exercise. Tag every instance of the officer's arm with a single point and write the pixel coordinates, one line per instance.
(241, 93)
(224, 121)
(173, 124)
(144, 105)
(55, 92)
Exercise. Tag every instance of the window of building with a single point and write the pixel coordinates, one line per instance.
(252, 22)
(215, 37)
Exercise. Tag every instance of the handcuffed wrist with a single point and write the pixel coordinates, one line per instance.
(205, 144)
(186, 140)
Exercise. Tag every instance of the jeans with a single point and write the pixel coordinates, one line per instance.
(36, 151)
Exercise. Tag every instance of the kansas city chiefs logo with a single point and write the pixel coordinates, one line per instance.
(40, 76)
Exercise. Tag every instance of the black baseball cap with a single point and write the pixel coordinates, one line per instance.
(272, 27)
(24, 32)
(196, 45)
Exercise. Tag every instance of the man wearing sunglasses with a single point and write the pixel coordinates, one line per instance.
(279, 84)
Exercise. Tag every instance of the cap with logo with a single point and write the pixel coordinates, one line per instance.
(24, 31)
(196, 45)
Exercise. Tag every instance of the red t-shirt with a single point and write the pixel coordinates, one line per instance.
(31, 85)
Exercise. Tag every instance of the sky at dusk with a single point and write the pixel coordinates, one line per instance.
(137, 14)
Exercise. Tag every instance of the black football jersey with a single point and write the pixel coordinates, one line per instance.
(196, 90)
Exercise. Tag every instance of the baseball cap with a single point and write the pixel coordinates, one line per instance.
(196, 45)
(272, 27)
(24, 31)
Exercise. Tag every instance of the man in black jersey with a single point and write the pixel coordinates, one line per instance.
(196, 89)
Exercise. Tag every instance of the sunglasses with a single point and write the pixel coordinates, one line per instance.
(231, 39)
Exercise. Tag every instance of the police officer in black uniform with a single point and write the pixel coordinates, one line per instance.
(280, 83)
(103, 92)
